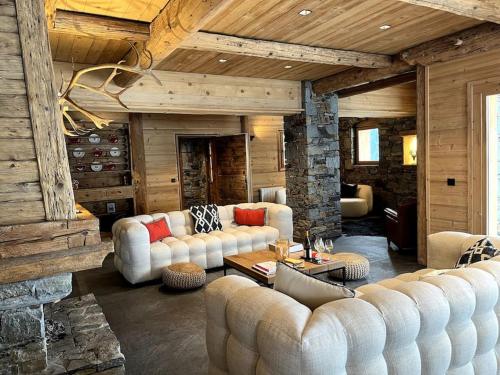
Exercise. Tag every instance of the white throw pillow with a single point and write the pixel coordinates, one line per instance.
(306, 289)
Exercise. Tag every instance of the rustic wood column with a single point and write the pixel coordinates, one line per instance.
(422, 163)
(313, 165)
(138, 163)
(46, 119)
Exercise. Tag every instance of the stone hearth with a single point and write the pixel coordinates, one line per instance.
(41, 336)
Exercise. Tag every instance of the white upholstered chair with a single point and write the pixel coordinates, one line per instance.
(360, 205)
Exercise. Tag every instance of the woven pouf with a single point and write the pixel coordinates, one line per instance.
(184, 276)
(356, 266)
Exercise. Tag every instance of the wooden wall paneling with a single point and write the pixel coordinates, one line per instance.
(45, 114)
(264, 151)
(448, 133)
(395, 101)
(423, 208)
(139, 173)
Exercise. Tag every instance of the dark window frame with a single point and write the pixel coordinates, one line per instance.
(356, 146)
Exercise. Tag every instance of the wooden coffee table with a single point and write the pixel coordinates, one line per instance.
(244, 263)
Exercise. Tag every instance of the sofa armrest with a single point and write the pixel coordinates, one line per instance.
(281, 218)
(131, 240)
(444, 249)
(365, 192)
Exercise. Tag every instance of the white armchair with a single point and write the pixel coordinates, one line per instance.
(360, 205)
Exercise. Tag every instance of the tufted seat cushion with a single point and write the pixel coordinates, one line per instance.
(138, 260)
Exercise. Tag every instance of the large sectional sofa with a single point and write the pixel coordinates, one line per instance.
(139, 260)
(427, 322)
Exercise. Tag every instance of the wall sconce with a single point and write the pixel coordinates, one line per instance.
(410, 149)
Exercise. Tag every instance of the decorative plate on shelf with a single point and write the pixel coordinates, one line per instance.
(96, 166)
(97, 152)
(115, 151)
(113, 139)
(78, 152)
(94, 139)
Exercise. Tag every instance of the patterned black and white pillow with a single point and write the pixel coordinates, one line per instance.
(481, 250)
(206, 218)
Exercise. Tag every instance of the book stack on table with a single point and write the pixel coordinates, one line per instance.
(267, 268)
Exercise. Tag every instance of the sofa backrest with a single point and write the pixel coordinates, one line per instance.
(437, 325)
(366, 192)
(444, 248)
(268, 194)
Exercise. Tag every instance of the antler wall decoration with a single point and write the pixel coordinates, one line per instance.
(67, 104)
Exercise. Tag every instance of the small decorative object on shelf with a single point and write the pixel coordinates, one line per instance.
(76, 183)
(113, 139)
(97, 152)
(110, 167)
(94, 139)
(78, 152)
(96, 166)
(75, 141)
(115, 152)
(80, 167)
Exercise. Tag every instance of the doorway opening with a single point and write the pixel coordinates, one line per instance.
(213, 169)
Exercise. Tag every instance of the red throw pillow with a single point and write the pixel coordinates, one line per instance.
(250, 217)
(158, 230)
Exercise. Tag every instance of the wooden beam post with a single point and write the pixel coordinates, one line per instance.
(203, 41)
(46, 118)
(176, 22)
(139, 178)
(378, 85)
(487, 10)
(422, 163)
(94, 26)
(50, 11)
(359, 76)
(474, 40)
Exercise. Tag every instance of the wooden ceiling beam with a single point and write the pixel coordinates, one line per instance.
(486, 10)
(359, 76)
(179, 20)
(95, 26)
(378, 85)
(203, 41)
(478, 39)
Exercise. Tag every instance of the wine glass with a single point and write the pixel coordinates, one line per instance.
(319, 246)
(329, 246)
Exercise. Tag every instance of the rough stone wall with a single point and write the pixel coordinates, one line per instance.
(194, 167)
(392, 182)
(312, 174)
(23, 347)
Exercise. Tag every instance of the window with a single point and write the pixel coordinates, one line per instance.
(281, 150)
(367, 146)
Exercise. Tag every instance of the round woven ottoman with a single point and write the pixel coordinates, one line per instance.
(184, 276)
(356, 266)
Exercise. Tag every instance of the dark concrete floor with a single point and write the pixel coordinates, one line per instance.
(163, 332)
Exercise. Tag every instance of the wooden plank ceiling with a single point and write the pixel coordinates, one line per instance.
(341, 24)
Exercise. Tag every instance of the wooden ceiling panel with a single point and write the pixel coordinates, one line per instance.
(344, 24)
(191, 61)
(139, 10)
(84, 50)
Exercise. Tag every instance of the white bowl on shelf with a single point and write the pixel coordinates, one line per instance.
(94, 139)
(96, 166)
(115, 152)
(78, 152)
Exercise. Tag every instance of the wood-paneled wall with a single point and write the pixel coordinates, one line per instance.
(448, 132)
(20, 194)
(264, 152)
(391, 102)
(160, 133)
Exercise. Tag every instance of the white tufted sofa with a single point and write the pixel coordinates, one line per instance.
(419, 323)
(139, 261)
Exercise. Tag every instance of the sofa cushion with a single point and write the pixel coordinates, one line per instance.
(250, 217)
(158, 230)
(348, 190)
(206, 218)
(353, 207)
(306, 289)
(481, 250)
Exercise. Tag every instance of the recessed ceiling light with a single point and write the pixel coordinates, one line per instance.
(222, 60)
(305, 12)
(385, 27)
(288, 67)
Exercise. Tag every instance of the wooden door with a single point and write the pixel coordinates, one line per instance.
(230, 169)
